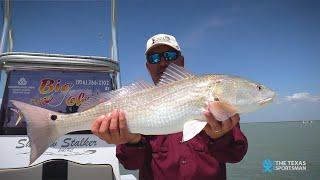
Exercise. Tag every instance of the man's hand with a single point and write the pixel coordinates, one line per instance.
(215, 128)
(113, 129)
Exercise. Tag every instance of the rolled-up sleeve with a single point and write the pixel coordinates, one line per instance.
(230, 148)
(133, 157)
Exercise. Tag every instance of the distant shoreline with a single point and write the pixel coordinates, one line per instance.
(308, 121)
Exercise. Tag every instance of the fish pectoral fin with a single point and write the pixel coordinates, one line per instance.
(221, 110)
(192, 128)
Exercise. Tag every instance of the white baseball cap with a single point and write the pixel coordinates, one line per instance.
(161, 39)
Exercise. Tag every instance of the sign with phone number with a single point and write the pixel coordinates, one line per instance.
(53, 90)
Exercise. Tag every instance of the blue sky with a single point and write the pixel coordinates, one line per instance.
(275, 42)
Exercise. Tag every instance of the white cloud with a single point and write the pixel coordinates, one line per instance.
(302, 97)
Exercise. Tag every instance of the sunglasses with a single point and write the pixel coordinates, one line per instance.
(168, 56)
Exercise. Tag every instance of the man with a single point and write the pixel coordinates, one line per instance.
(165, 156)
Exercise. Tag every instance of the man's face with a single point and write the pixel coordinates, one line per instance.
(156, 70)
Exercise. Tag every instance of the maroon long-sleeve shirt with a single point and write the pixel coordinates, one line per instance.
(166, 157)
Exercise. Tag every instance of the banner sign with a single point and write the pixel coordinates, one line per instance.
(54, 90)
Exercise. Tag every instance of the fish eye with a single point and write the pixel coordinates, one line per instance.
(259, 87)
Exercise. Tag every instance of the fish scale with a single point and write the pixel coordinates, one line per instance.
(166, 110)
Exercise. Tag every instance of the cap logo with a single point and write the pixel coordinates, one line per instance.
(161, 39)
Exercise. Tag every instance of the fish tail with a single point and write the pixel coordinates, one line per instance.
(42, 129)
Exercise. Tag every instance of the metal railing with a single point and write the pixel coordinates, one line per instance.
(6, 27)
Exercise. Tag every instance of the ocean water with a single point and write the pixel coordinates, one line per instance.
(281, 141)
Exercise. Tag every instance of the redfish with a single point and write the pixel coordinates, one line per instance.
(175, 104)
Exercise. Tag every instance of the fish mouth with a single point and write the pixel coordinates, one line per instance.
(265, 101)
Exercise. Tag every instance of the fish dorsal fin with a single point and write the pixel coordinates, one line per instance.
(122, 92)
(174, 73)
